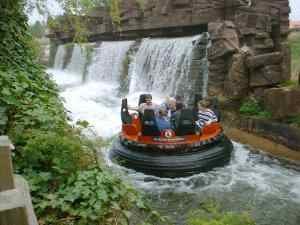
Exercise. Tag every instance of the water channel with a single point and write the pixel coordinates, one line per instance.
(265, 187)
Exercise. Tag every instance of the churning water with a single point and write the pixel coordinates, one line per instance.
(253, 182)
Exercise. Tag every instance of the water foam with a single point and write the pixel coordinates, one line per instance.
(163, 65)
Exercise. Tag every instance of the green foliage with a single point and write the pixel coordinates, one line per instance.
(210, 214)
(92, 196)
(251, 107)
(51, 152)
(29, 96)
(95, 197)
(31, 101)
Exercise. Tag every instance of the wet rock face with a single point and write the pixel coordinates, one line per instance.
(283, 102)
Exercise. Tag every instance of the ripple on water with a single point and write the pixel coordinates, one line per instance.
(251, 182)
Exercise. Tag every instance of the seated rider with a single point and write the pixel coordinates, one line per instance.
(162, 120)
(205, 115)
(148, 104)
(170, 106)
(175, 116)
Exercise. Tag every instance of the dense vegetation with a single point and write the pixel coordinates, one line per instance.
(68, 187)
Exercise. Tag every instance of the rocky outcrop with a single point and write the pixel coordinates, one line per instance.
(236, 83)
(283, 102)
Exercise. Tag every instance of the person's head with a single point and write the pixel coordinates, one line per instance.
(148, 99)
(172, 103)
(162, 112)
(205, 103)
(179, 106)
(179, 98)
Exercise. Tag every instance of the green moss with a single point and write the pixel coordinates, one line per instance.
(251, 107)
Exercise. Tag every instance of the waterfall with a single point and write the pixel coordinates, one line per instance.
(108, 61)
(163, 65)
(205, 67)
(78, 60)
(59, 57)
(70, 65)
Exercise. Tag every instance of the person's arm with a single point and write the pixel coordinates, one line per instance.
(133, 108)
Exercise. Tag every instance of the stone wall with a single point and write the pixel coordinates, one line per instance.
(248, 52)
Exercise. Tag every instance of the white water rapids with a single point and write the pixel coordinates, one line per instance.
(253, 182)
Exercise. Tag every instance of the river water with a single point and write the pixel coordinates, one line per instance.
(266, 188)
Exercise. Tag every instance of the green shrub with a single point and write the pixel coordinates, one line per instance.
(96, 197)
(210, 214)
(60, 155)
(251, 107)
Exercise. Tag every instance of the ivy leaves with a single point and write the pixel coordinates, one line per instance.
(32, 103)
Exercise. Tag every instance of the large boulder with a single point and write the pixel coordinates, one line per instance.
(267, 76)
(236, 83)
(282, 102)
(264, 59)
(225, 39)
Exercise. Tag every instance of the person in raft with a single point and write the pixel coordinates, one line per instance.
(148, 105)
(162, 119)
(205, 115)
(170, 106)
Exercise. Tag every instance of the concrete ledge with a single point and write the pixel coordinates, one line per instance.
(18, 198)
(11, 199)
(264, 145)
(277, 132)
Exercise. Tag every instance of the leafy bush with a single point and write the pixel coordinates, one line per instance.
(66, 186)
(251, 107)
(210, 214)
(60, 155)
(96, 197)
